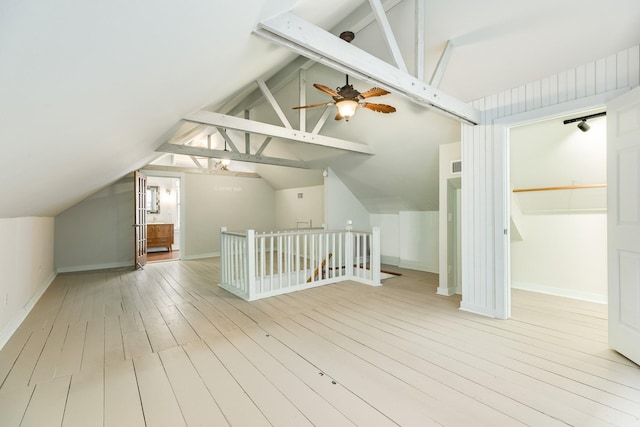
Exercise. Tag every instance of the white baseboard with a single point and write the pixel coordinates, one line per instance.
(201, 256)
(389, 260)
(446, 291)
(568, 293)
(415, 265)
(12, 326)
(483, 311)
(95, 267)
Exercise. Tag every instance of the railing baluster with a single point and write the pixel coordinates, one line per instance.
(304, 259)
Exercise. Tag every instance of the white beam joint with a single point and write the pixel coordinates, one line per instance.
(322, 120)
(274, 104)
(227, 138)
(264, 145)
(387, 34)
(196, 162)
(438, 73)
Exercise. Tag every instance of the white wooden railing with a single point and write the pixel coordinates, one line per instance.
(259, 265)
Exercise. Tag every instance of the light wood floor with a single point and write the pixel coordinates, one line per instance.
(165, 346)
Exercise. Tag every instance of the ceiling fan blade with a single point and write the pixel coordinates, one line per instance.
(324, 104)
(325, 89)
(380, 108)
(374, 91)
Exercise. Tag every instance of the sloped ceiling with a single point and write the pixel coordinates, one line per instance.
(89, 90)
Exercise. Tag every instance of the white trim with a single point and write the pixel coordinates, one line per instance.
(476, 309)
(420, 266)
(567, 293)
(201, 256)
(13, 324)
(91, 267)
(390, 260)
(183, 214)
(443, 290)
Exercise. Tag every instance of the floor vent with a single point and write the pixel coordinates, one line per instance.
(456, 166)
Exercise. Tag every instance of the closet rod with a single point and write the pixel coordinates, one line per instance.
(562, 187)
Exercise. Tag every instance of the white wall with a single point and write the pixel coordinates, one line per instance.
(342, 206)
(389, 225)
(214, 201)
(563, 254)
(293, 211)
(96, 233)
(27, 268)
(419, 241)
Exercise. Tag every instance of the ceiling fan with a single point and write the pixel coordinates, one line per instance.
(347, 99)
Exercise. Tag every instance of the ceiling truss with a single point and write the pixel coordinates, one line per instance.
(319, 46)
(315, 43)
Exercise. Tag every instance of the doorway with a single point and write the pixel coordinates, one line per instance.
(165, 216)
(558, 221)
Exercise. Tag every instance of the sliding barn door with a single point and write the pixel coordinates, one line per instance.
(140, 220)
(623, 176)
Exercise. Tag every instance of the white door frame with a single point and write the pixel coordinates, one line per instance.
(180, 176)
(501, 129)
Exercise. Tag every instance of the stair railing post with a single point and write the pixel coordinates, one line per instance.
(251, 264)
(348, 252)
(375, 254)
(223, 256)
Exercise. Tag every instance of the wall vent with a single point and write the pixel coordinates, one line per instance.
(456, 166)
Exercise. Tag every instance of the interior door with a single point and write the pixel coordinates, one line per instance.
(140, 220)
(623, 232)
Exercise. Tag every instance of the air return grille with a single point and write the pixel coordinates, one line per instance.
(456, 166)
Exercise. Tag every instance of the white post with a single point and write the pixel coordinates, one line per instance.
(251, 264)
(375, 256)
(223, 254)
(348, 252)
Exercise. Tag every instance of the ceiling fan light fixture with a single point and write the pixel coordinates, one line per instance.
(225, 161)
(347, 108)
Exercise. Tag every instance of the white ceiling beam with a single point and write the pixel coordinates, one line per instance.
(274, 104)
(166, 168)
(221, 154)
(228, 140)
(313, 42)
(195, 160)
(264, 145)
(420, 39)
(438, 73)
(302, 88)
(387, 34)
(249, 99)
(231, 122)
(322, 120)
(247, 135)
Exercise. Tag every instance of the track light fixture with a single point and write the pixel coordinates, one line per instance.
(583, 126)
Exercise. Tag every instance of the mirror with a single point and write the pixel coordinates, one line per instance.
(153, 199)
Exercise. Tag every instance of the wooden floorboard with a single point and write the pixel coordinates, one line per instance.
(165, 346)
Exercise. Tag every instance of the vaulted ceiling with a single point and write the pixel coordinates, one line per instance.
(90, 90)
